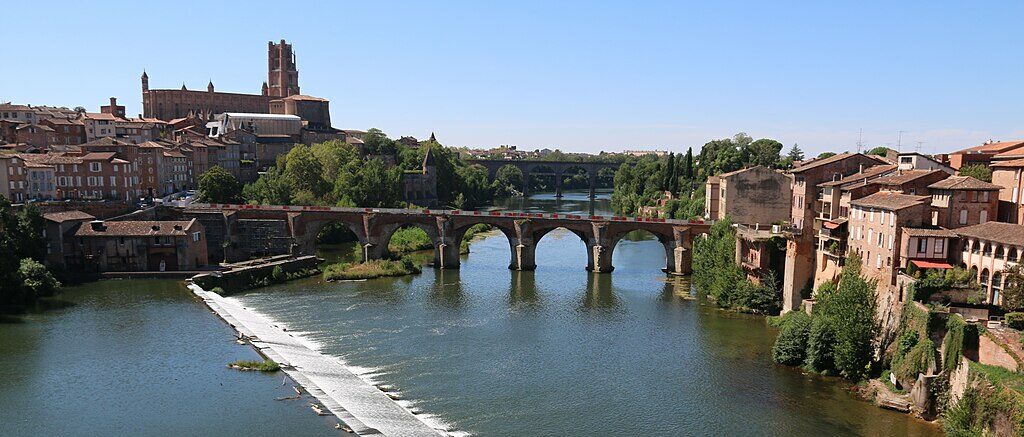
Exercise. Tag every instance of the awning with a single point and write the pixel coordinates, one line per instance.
(921, 264)
(831, 225)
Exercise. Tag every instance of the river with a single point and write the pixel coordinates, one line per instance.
(484, 350)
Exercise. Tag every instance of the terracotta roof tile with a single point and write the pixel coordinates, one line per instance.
(136, 229)
(64, 216)
(890, 201)
(995, 231)
(930, 232)
(963, 183)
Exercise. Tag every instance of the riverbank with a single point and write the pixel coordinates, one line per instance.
(364, 408)
(377, 268)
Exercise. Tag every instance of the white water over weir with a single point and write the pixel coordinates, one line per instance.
(364, 408)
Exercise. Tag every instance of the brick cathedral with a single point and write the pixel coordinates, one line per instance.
(282, 81)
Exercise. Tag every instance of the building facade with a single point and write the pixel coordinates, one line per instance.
(754, 195)
(128, 246)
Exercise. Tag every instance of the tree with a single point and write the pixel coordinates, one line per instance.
(305, 171)
(688, 169)
(977, 171)
(666, 184)
(764, 152)
(31, 242)
(508, 179)
(219, 186)
(1013, 292)
(791, 345)
(879, 151)
(272, 188)
(795, 154)
(844, 325)
(373, 185)
(824, 155)
(673, 182)
(38, 281)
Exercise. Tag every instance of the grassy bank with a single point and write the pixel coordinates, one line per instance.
(371, 269)
(262, 366)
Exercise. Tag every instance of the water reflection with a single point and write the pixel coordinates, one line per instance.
(523, 290)
(599, 293)
(447, 290)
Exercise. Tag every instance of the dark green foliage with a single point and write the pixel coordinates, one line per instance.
(216, 185)
(824, 155)
(268, 366)
(717, 275)
(278, 275)
(22, 278)
(688, 166)
(670, 168)
(917, 360)
(959, 336)
(844, 326)
(1015, 320)
(878, 151)
(1013, 293)
(977, 171)
(764, 152)
(993, 404)
(791, 345)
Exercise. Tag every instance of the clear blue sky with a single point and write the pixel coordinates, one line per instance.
(580, 76)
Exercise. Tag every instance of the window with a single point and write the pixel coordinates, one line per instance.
(963, 216)
(892, 218)
(881, 239)
(878, 261)
(196, 236)
(984, 196)
(922, 245)
(95, 166)
(891, 237)
(983, 216)
(871, 235)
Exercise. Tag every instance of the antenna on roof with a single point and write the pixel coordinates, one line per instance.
(899, 140)
(860, 139)
(919, 143)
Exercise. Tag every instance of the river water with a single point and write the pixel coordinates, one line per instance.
(485, 350)
(561, 351)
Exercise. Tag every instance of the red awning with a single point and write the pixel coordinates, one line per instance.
(832, 225)
(930, 264)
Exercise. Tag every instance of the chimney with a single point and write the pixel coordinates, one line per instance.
(177, 227)
(97, 225)
(113, 104)
(156, 227)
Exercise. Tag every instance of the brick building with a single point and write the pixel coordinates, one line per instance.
(807, 205)
(983, 154)
(960, 201)
(1007, 175)
(98, 125)
(97, 175)
(59, 240)
(877, 225)
(66, 131)
(987, 250)
(139, 246)
(13, 178)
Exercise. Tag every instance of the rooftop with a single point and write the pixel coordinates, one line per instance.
(869, 172)
(890, 201)
(930, 232)
(64, 216)
(905, 177)
(995, 231)
(135, 228)
(964, 183)
(835, 158)
(993, 147)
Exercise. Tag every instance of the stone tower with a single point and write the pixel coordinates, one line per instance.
(145, 81)
(282, 75)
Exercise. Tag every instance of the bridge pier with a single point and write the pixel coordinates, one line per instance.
(599, 258)
(523, 257)
(447, 256)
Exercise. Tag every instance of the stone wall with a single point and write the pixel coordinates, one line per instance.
(246, 277)
(993, 345)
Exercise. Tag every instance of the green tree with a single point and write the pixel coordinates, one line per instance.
(790, 346)
(879, 151)
(688, 168)
(764, 152)
(216, 185)
(508, 179)
(844, 326)
(666, 183)
(272, 188)
(1013, 292)
(824, 155)
(38, 281)
(305, 172)
(795, 154)
(374, 185)
(31, 242)
(977, 171)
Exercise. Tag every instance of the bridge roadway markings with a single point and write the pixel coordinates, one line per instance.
(363, 407)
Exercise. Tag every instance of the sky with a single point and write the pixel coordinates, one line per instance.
(581, 76)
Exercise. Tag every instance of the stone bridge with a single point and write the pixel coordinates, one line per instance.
(547, 168)
(446, 229)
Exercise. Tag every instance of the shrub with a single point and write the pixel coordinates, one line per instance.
(371, 269)
(262, 366)
(278, 275)
(1015, 320)
(919, 359)
(37, 280)
(959, 336)
(791, 345)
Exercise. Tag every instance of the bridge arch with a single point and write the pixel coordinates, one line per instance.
(666, 239)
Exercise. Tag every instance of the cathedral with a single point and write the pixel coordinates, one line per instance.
(282, 81)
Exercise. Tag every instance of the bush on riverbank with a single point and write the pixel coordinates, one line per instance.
(993, 404)
(842, 328)
(268, 366)
(377, 268)
(716, 273)
(470, 234)
(23, 279)
(791, 346)
(410, 239)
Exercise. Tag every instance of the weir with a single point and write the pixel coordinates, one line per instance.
(364, 408)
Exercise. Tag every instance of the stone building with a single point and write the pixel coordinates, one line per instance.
(918, 161)
(59, 240)
(315, 112)
(753, 195)
(98, 125)
(960, 201)
(420, 188)
(987, 250)
(712, 189)
(126, 246)
(983, 154)
(807, 205)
